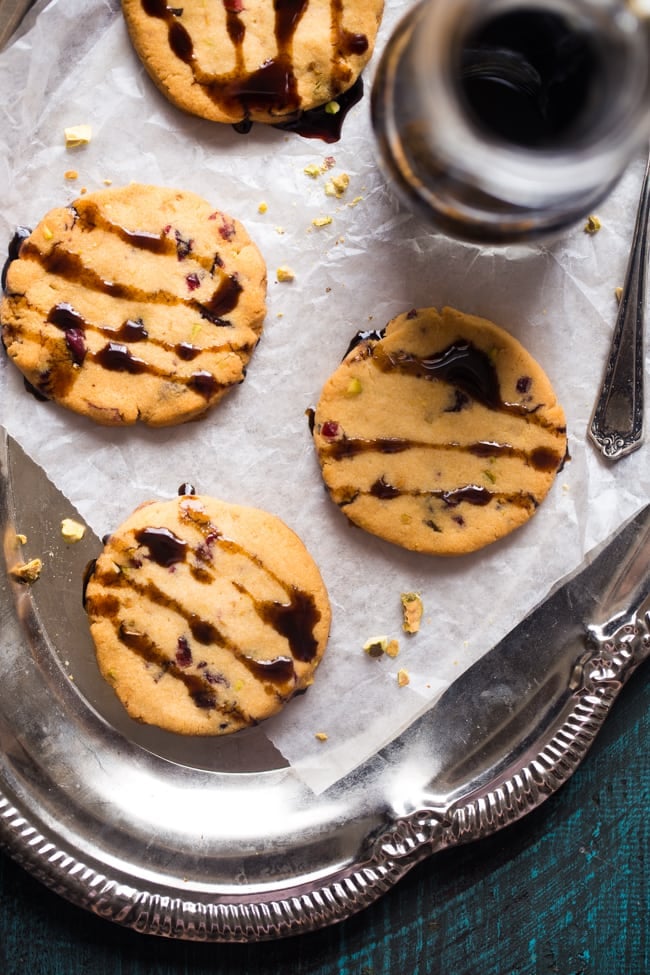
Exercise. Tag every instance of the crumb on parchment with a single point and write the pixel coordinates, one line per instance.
(77, 135)
(285, 274)
(377, 646)
(321, 221)
(403, 678)
(27, 571)
(337, 185)
(321, 736)
(392, 648)
(412, 610)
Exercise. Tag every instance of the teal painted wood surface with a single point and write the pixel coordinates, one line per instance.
(565, 891)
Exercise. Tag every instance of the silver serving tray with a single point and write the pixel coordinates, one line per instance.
(220, 840)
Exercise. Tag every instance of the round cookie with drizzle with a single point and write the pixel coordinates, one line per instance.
(441, 434)
(233, 61)
(207, 617)
(134, 303)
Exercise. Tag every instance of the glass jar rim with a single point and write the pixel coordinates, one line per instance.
(530, 176)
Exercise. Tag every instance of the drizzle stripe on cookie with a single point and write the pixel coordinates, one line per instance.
(206, 556)
(271, 88)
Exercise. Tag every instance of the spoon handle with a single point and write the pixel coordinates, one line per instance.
(617, 422)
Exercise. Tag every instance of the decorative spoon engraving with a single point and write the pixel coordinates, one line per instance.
(617, 422)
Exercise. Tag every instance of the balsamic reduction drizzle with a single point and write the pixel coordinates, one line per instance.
(472, 375)
(294, 618)
(272, 87)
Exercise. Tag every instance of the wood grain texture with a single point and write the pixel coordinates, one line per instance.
(564, 891)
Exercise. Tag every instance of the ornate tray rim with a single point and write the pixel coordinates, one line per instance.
(83, 867)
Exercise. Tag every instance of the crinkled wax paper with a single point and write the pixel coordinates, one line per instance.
(73, 64)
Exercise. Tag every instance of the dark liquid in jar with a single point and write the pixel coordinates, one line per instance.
(529, 77)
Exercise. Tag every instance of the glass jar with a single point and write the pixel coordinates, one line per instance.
(506, 120)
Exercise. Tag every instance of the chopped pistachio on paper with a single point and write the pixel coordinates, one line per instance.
(376, 646)
(72, 531)
(592, 225)
(412, 609)
(77, 135)
(332, 108)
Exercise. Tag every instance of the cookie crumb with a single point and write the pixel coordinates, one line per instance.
(72, 531)
(107, 182)
(593, 224)
(77, 135)
(20, 539)
(71, 174)
(412, 610)
(263, 207)
(392, 649)
(285, 274)
(313, 170)
(403, 678)
(355, 201)
(321, 736)
(618, 293)
(321, 221)
(27, 571)
(337, 185)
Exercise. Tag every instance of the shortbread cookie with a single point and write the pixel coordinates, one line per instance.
(207, 617)
(441, 434)
(228, 60)
(135, 303)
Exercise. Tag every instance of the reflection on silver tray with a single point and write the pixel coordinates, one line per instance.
(220, 840)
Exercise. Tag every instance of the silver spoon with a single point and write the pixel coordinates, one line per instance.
(617, 422)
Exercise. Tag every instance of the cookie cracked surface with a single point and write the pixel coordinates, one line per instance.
(135, 303)
(207, 617)
(230, 61)
(442, 434)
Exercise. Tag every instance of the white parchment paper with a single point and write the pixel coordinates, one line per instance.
(73, 63)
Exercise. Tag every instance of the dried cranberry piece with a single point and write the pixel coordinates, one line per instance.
(193, 281)
(183, 653)
(523, 384)
(76, 343)
(330, 430)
